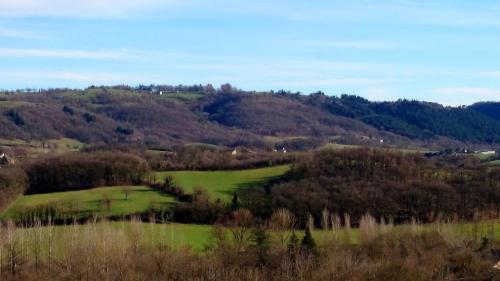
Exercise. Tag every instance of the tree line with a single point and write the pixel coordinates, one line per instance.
(389, 185)
(13, 182)
(206, 157)
(245, 250)
(74, 171)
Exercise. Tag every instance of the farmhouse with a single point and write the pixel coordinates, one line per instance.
(5, 159)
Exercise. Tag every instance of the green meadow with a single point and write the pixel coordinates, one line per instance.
(102, 201)
(222, 184)
(112, 201)
(493, 163)
(200, 237)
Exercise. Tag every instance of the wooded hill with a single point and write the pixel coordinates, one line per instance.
(161, 116)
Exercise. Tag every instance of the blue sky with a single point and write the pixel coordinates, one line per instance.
(443, 51)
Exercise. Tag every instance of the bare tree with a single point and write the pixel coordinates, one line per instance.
(127, 190)
(281, 221)
(240, 227)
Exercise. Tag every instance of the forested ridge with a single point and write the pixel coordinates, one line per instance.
(161, 116)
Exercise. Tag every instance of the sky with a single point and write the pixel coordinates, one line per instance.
(442, 51)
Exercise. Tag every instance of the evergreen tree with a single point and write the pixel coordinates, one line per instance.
(262, 243)
(308, 242)
(235, 202)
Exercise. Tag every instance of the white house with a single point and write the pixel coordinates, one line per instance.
(5, 159)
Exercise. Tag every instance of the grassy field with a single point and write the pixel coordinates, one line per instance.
(222, 184)
(335, 146)
(183, 97)
(103, 201)
(200, 237)
(34, 149)
(493, 163)
(111, 201)
(177, 236)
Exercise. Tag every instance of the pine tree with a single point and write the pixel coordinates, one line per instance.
(262, 243)
(308, 242)
(235, 203)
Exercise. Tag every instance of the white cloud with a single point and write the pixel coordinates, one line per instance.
(48, 78)
(489, 74)
(362, 45)
(80, 8)
(63, 54)
(442, 13)
(13, 33)
(335, 82)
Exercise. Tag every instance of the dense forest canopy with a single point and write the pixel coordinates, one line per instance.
(76, 171)
(491, 109)
(392, 185)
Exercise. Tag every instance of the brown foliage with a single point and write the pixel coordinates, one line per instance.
(13, 182)
(73, 171)
(386, 184)
(104, 252)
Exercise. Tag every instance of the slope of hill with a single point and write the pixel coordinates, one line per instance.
(278, 115)
(415, 119)
(100, 116)
(491, 109)
(107, 115)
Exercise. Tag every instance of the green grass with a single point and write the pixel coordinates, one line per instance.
(203, 145)
(82, 203)
(37, 148)
(483, 157)
(194, 236)
(66, 143)
(85, 202)
(199, 237)
(493, 163)
(276, 139)
(175, 236)
(338, 146)
(89, 94)
(10, 104)
(222, 184)
(183, 97)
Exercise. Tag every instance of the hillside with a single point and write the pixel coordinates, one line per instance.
(415, 119)
(105, 116)
(491, 109)
(141, 115)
